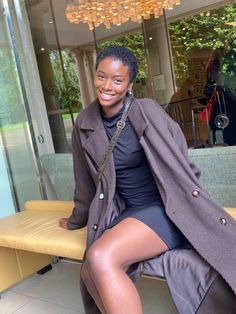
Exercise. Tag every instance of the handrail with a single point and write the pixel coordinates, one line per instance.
(183, 112)
(185, 99)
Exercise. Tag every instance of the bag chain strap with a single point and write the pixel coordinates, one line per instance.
(119, 127)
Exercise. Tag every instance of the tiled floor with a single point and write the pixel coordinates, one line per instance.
(57, 292)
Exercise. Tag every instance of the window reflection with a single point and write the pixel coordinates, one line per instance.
(203, 48)
(173, 70)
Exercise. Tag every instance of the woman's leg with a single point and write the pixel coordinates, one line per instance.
(110, 256)
(90, 285)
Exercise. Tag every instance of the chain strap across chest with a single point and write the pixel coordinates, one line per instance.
(119, 127)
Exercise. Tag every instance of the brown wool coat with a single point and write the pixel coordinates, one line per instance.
(186, 203)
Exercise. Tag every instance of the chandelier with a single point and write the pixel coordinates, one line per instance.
(115, 12)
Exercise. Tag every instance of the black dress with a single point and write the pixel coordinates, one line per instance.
(136, 185)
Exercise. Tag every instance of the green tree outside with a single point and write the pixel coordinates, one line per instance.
(205, 30)
(68, 87)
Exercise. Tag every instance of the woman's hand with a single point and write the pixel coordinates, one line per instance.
(63, 223)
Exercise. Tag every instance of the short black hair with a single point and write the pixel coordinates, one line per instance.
(123, 54)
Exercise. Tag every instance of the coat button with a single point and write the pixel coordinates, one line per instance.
(195, 193)
(95, 227)
(223, 221)
(101, 196)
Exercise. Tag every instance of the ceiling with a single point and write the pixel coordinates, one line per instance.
(46, 16)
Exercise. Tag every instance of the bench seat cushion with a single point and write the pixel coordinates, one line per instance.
(36, 230)
(39, 232)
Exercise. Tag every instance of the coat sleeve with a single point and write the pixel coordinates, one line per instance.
(84, 185)
(182, 144)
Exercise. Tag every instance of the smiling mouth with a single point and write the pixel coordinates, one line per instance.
(105, 96)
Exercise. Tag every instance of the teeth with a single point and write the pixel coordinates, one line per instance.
(106, 96)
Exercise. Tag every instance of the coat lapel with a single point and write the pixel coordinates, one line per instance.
(96, 140)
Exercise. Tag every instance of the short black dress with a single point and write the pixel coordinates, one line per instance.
(136, 185)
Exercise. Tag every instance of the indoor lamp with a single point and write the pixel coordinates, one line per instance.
(115, 12)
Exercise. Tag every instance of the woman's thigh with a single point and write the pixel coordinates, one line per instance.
(127, 242)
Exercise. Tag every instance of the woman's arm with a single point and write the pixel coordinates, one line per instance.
(84, 186)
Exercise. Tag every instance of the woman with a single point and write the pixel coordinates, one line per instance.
(148, 192)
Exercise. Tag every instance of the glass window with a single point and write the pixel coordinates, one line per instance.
(64, 52)
(204, 50)
(19, 176)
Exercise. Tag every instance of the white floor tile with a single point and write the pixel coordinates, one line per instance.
(66, 292)
(36, 284)
(64, 269)
(11, 301)
(58, 292)
(41, 307)
(157, 299)
(142, 286)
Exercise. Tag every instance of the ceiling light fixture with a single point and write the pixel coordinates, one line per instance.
(115, 12)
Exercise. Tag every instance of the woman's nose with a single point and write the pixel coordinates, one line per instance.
(107, 85)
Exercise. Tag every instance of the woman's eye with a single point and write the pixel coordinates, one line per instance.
(100, 76)
(118, 81)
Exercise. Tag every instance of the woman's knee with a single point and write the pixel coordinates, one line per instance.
(96, 258)
(101, 258)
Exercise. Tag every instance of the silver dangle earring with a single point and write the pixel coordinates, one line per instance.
(129, 93)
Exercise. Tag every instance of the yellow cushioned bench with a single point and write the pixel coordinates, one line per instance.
(28, 239)
(36, 230)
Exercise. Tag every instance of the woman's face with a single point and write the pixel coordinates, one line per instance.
(112, 83)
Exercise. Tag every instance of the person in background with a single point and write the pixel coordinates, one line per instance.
(223, 117)
(148, 201)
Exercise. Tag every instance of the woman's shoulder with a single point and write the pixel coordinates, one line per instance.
(149, 105)
(155, 112)
(147, 101)
(87, 112)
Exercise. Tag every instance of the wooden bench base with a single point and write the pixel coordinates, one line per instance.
(15, 265)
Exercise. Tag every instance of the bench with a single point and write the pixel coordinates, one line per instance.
(29, 239)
